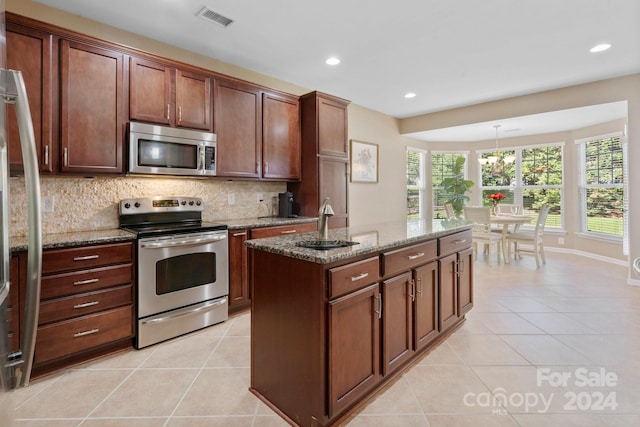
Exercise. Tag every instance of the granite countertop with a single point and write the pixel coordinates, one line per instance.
(59, 240)
(74, 238)
(271, 221)
(371, 238)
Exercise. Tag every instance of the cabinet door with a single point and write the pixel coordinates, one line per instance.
(333, 184)
(150, 92)
(237, 124)
(30, 51)
(280, 137)
(238, 268)
(425, 315)
(91, 114)
(447, 290)
(332, 127)
(465, 281)
(193, 100)
(397, 324)
(354, 346)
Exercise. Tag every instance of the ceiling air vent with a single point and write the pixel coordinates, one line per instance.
(212, 16)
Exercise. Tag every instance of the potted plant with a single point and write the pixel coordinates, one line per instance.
(456, 187)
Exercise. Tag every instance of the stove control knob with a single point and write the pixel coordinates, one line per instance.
(127, 205)
(190, 202)
(136, 204)
(198, 203)
(184, 202)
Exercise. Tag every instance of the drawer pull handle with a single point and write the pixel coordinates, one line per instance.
(289, 232)
(416, 256)
(85, 258)
(85, 282)
(86, 304)
(240, 234)
(457, 242)
(85, 333)
(359, 276)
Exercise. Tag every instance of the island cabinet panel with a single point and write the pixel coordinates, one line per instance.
(354, 346)
(32, 52)
(237, 125)
(448, 292)
(91, 109)
(425, 318)
(280, 137)
(397, 321)
(465, 281)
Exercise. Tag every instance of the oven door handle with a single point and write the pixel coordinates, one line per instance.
(186, 242)
(186, 312)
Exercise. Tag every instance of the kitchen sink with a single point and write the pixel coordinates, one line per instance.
(325, 244)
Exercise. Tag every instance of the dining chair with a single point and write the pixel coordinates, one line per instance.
(533, 238)
(505, 208)
(448, 208)
(481, 229)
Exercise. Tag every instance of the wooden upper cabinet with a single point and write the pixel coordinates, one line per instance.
(150, 92)
(193, 100)
(280, 136)
(91, 109)
(31, 52)
(165, 95)
(237, 125)
(332, 127)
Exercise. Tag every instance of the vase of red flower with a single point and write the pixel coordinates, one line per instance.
(495, 198)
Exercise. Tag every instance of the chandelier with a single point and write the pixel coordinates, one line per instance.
(496, 163)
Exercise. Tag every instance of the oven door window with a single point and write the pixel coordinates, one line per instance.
(167, 154)
(185, 271)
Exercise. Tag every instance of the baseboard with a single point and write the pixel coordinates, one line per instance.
(620, 262)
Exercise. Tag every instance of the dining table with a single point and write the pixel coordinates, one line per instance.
(508, 220)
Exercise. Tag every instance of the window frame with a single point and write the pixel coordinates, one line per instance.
(422, 185)
(583, 187)
(465, 169)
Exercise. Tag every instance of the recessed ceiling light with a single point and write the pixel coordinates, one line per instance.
(332, 61)
(600, 47)
(409, 95)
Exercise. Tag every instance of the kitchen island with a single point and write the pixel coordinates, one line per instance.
(331, 327)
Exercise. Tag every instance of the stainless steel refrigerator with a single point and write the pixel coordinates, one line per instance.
(15, 364)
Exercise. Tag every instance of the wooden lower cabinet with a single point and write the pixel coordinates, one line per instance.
(86, 304)
(326, 336)
(238, 269)
(397, 321)
(354, 346)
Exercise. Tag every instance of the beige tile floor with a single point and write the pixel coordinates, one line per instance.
(575, 317)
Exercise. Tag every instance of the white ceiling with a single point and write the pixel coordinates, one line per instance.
(450, 53)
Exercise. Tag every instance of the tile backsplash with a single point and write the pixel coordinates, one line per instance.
(81, 204)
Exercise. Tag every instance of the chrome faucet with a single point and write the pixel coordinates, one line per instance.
(323, 224)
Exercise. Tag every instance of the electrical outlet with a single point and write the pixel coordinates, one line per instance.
(260, 198)
(47, 204)
(232, 199)
(561, 240)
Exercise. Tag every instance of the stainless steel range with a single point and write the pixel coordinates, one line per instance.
(183, 269)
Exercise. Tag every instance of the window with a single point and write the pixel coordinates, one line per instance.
(442, 165)
(601, 163)
(534, 179)
(415, 184)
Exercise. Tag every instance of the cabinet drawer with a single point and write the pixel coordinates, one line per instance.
(84, 281)
(65, 338)
(85, 257)
(80, 305)
(350, 277)
(406, 258)
(259, 233)
(454, 243)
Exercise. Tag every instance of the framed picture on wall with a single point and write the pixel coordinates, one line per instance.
(364, 162)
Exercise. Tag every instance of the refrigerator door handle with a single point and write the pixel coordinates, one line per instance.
(16, 93)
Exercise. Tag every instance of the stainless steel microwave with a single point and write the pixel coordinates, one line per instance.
(162, 150)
